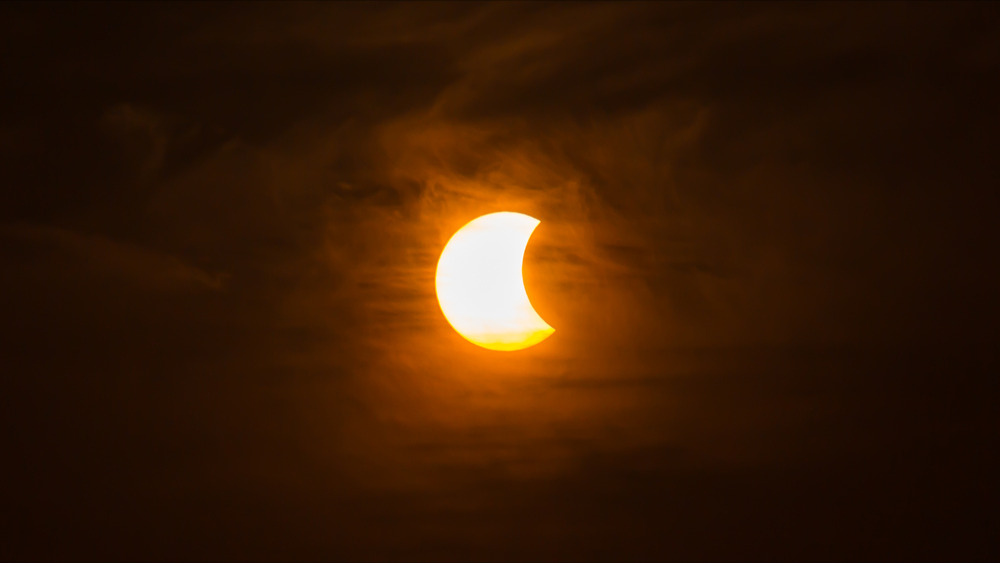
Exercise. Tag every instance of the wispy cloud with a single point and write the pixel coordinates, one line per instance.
(73, 255)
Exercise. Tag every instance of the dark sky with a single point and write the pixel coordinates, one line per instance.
(768, 247)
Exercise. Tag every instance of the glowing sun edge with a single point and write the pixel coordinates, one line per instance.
(480, 287)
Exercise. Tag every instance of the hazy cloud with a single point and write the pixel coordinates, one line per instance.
(52, 251)
(765, 247)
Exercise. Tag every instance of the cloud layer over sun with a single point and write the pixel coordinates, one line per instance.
(765, 243)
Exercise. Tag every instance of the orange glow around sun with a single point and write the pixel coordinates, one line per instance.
(479, 283)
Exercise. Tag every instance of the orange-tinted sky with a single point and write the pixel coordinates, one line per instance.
(767, 246)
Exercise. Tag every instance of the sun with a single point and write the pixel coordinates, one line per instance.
(479, 283)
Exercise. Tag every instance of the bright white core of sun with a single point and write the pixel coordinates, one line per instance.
(479, 283)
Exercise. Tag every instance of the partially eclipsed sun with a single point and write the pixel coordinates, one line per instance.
(479, 283)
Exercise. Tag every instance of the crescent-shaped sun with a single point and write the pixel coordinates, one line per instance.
(479, 283)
